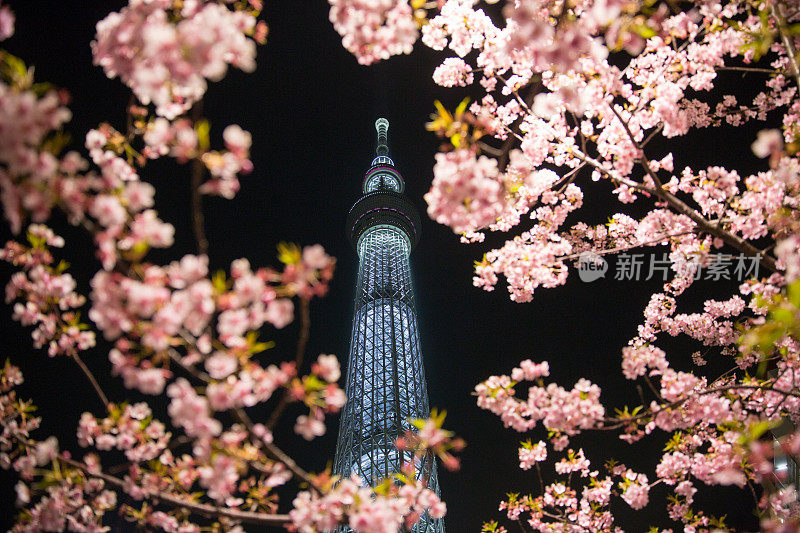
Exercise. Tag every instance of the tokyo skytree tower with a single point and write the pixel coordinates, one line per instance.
(385, 380)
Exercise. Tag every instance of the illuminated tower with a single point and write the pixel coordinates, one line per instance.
(385, 380)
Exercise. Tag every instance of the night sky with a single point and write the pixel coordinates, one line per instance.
(311, 110)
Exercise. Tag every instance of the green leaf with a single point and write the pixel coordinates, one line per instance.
(203, 129)
(644, 31)
(760, 428)
(313, 383)
(289, 253)
(219, 282)
(12, 66)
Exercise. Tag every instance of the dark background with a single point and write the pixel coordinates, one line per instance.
(311, 109)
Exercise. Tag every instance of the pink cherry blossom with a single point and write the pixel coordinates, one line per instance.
(327, 367)
(530, 455)
(6, 23)
(466, 193)
(309, 427)
(376, 29)
(220, 365)
(453, 72)
(168, 62)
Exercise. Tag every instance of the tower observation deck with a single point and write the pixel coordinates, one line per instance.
(385, 379)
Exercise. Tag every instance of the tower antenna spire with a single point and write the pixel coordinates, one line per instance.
(381, 146)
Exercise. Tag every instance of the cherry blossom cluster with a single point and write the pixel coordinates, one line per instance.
(466, 193)
(561, 507)
(591, 105)
(69, 499)
(374, 29)
(35, 177)
(426, 437)
(45, 294)
(176, 330)
(218, 467)
(320, 394)
(563, 412)
(395, 503)
(31, 176)
(530, 454)
(74, 503)
(166, 50)
(176, 314)
(183, 141)
(712, 428)
(385, 509)
(129, 428)
(14, 449)
(6, 23)
(151, 54)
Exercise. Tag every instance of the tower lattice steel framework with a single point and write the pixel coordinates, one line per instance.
(385, 380)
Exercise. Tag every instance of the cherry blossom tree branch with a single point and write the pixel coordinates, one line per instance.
(770, 71)
(274, 451)
(713, 229)
(631, 247)
(176, 358)
(603, 170)
(681, 207)
(198, 218)
(92, 380)
(616, 423)
(305, 326)
(241, 415)
(202, 509)
(658, 129)
(776, 8)
(302, 341)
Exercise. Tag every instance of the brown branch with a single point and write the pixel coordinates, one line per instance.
(713, 229)
(786, 39)
(539, 475)
(653, 133)
(241, 415)
(525, 103)
(746, 70)
(631, 247)
(645, 414)
(92, 380)
(681, 207)
(203, 509)
(610, 175)
(175, 357)
(302, 341)
(129, 122)
(198, 170)
(276, 452)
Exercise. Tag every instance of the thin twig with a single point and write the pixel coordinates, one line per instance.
(302, 341)
(786, 39)
(681, 207)
(631, 247)
(198, 219)
(276, 452)
(210, 511)
(749, 69)
(176, 358)
(92, 380)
